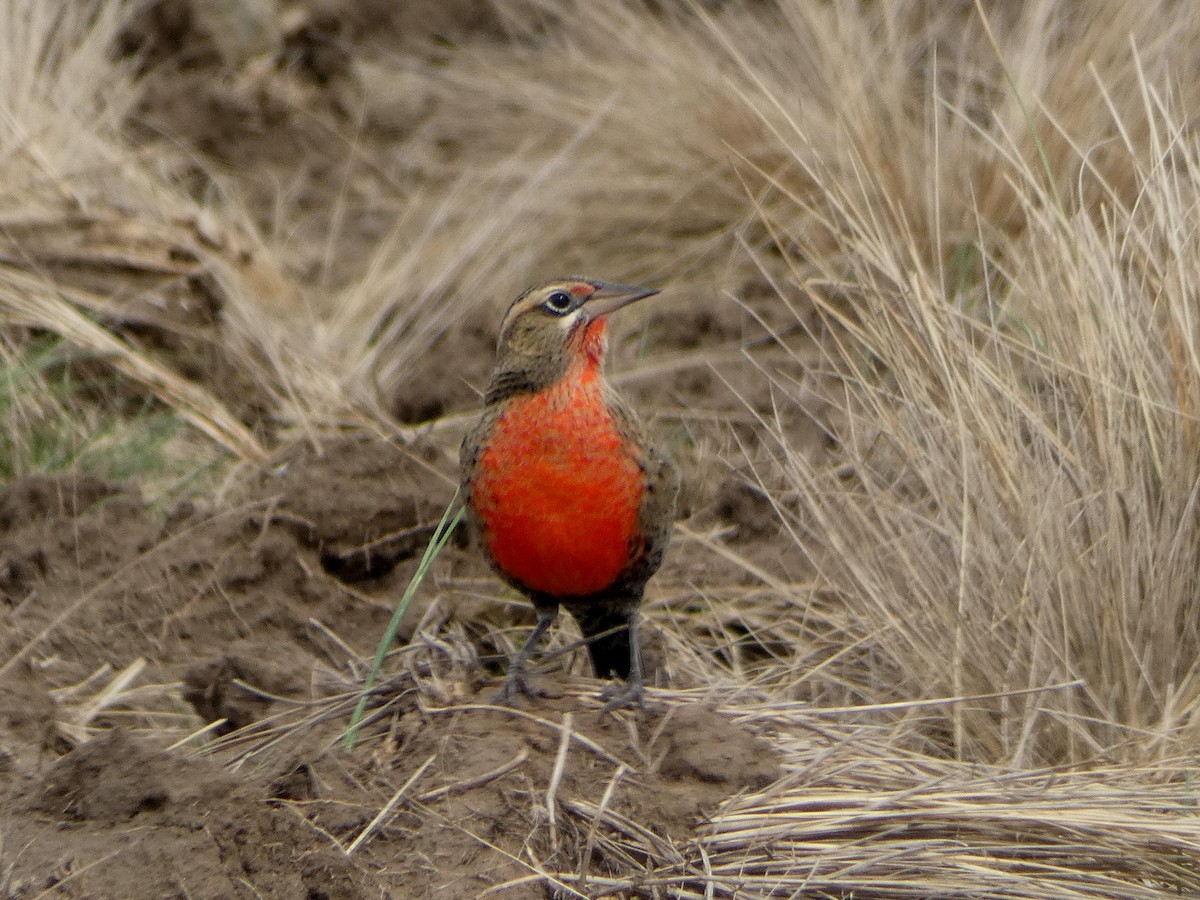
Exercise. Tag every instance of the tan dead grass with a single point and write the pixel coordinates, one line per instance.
(86, 218)
(1020, 503)
(863, 820)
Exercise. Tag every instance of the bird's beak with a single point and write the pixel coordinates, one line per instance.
(610, 297)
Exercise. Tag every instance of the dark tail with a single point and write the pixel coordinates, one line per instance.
(606, 630)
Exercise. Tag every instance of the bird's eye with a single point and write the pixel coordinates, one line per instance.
(558, 302)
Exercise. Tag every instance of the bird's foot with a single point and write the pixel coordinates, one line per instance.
(630, 695)
(517, 684)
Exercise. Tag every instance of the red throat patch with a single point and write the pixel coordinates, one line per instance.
(590, 341)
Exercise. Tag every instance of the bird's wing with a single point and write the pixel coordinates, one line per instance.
(656, 516)
(469, 452)
(657, 513)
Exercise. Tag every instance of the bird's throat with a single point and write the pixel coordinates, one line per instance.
(589, 342)
(580, 360)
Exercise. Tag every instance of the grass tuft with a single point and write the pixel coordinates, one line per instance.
(1012, 500)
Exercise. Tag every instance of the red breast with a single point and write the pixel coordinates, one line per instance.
(557, 489)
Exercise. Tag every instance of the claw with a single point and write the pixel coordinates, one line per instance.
(630, 696)
(633, 695)
(517, 684)
(517, 681)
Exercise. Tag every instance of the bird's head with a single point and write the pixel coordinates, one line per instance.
(553, 324)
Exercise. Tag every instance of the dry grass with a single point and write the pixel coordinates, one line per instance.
(1013, 502)
(887, 824)
(91, 232)
(995, 226)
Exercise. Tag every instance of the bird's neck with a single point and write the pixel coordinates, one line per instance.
(580, 363)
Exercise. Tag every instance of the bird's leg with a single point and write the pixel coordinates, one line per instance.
(633, 694)
(517, 681)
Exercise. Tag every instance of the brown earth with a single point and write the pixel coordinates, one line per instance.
(249, 615)
(236, 611)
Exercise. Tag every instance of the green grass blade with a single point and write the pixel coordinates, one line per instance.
(440, 536)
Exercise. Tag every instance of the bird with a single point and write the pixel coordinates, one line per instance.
(573, 504)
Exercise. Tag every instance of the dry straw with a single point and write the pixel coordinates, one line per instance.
(1014, 498)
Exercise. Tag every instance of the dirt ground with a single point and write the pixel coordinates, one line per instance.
(248, 611)
(247, 616)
